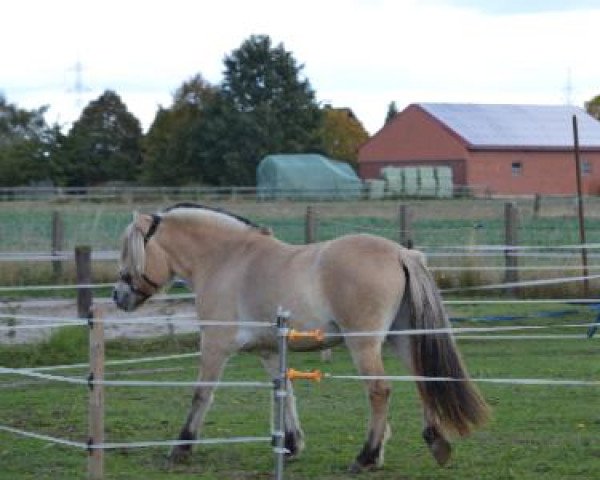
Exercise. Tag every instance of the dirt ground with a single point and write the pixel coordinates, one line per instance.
(164, 315)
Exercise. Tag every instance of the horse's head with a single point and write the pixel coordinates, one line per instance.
(144, 268)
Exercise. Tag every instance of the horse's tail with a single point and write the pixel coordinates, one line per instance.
(456, 405)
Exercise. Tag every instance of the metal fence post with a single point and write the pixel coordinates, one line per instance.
(511, 224)
(280, 394)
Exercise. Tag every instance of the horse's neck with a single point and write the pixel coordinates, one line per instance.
(199, 253)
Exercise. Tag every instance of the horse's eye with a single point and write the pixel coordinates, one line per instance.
(125, 277)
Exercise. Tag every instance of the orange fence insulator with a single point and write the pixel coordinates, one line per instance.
(315, 334)
(314, 375)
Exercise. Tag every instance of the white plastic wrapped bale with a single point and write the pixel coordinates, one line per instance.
(411, 180)
(444, 182)
(427, 181)
(375, 189)
(394, 180)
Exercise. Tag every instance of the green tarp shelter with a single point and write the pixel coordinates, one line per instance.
(306, 176)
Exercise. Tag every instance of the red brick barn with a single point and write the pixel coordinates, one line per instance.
(497, 149)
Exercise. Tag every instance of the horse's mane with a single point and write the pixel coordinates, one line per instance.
(132, 253)
(226, 213)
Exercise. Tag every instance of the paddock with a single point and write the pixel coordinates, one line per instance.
(535, 367)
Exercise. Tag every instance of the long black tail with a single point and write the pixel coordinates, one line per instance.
(457, 405)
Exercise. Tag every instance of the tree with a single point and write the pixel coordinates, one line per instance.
(170, 152)
(391, 113)
(103, 144)
(593, 107)
(265, 106)
(27, 144)
(342, 134)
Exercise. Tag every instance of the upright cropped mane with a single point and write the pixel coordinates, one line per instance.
(211, 209)
(189, 205)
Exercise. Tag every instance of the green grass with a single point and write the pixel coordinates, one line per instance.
(537, 432)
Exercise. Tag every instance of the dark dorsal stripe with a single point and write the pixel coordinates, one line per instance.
(212, 209)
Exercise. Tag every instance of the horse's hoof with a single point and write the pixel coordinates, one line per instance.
(441, 451)
(179, 455)
(294, 443)
(357, 468)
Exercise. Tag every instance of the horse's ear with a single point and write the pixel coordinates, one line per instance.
(142, 221)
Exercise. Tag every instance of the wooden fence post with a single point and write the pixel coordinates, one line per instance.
(537, 205)
(511, 225)
(83, 265)
(96, 398)
(405, 234)
(310, 225)
(58, 237)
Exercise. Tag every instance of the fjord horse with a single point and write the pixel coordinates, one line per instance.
(357, 283)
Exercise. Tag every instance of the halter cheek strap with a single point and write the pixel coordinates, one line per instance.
(156, 219)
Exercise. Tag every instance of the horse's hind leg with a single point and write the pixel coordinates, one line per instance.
(294, 437)
(432, 433)
(438, 445)
(366, 353)
(213, 360)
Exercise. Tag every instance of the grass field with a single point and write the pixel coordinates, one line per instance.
(536, 431)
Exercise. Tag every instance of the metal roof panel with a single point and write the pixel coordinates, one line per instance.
(513, 126)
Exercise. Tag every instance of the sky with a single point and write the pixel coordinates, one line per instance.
(360, 54)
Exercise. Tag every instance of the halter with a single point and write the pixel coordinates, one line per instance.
(156, 219)
(128, 279)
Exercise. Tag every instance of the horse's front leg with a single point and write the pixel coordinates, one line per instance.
(212, 362)
(366, 353)
(294, 437)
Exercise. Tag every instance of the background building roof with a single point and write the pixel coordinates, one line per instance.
(516, 126)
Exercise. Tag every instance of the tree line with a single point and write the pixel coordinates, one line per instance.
(211, 134)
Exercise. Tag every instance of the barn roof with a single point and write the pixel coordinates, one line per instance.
(516, 126)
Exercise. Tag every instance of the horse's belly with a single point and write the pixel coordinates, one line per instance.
(311, 344)
(249, 339)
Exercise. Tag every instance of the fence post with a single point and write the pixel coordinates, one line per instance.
(280, 394)
(310, 225)
(57, 246)
(511, 224)
(537, 205)
(83, 265)
(310, 236)
(96, 398)
(405, 235)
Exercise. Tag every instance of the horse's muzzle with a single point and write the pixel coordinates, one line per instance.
(124, 298)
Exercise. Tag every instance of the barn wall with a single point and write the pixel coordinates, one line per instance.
(541, 172)
(413, 138)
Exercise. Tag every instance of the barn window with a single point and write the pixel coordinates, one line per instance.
(517, 169)
(586, 168)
